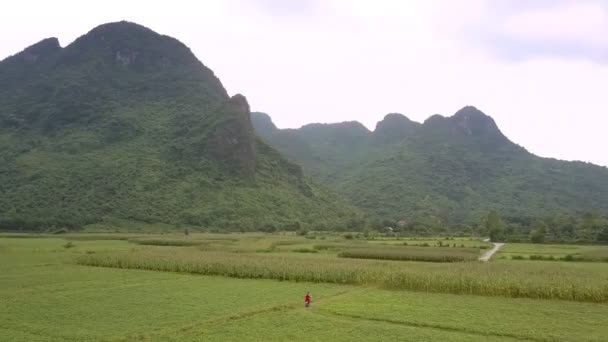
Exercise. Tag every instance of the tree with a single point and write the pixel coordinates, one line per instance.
(537, 236)
(494, 226)
(602, 237)
(355, 224)
(539, 232)
(302, 232)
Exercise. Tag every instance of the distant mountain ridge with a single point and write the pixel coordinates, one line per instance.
(125, 124)
(451, 170)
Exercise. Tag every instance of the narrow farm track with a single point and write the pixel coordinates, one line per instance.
(446, 328)
(330, 314)
(488, 255)
(232, 317)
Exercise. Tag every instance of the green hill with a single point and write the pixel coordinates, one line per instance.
(127, 124)
(447, 170)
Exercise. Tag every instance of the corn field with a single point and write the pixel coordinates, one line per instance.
(559, 281)
(413, 254)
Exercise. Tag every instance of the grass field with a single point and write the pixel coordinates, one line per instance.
(46, 296)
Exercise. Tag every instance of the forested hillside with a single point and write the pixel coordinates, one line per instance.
(446, 172)
(127, 124)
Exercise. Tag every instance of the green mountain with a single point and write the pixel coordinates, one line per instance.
(447, 170)
(127, 124)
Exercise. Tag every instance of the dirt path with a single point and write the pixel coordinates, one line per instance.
(488, 255)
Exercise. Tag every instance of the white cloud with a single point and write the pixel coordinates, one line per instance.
(573, 23)
(522, 30)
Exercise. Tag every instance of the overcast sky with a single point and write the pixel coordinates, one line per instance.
(538, 67)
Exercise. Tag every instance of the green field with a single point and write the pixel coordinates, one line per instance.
(515, 251)
(47, 296)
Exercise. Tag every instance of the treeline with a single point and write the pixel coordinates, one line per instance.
(226, 216)
(563, 228)
(585, 228)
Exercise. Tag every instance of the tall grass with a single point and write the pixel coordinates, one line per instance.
(413, 254)
(563, 281)
(94, 237)
(236, 265)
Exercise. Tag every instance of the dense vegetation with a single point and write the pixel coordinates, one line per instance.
(587, 228)
(446, 174)
(126, 125)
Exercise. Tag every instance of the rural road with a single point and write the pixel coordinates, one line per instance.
(488, 255)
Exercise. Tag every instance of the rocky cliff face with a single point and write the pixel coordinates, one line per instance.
(394, 127)
(233, 139)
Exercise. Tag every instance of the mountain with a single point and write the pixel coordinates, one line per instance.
(451, 170)
(125, 124)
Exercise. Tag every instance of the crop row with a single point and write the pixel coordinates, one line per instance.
(412, 254)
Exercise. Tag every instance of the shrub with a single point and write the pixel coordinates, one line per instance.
(542, 257)
(305, 250)
(166, 242)
(568, 257)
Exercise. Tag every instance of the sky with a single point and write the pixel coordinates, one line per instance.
(538, 67)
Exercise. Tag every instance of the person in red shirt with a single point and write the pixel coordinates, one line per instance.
(307, 299)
